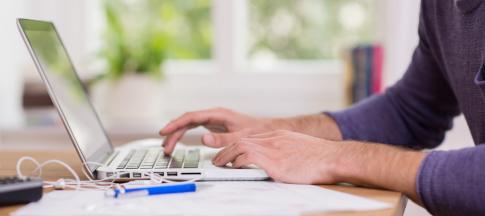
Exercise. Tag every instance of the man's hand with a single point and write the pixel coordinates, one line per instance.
(297, 158)
(286, 156)
(228, 126)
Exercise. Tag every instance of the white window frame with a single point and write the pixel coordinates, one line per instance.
(230, 51)
(228, 79)
(308, 85)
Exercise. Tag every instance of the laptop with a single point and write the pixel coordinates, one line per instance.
(131, 161)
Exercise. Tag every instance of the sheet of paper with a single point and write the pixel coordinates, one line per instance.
(211, 198)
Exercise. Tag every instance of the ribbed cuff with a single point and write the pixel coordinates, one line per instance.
(424, 179)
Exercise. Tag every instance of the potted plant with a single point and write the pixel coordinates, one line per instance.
(130, 90)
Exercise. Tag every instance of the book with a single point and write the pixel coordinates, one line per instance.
(363, 72)
(377, 69)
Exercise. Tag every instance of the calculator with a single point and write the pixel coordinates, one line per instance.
(16, 190)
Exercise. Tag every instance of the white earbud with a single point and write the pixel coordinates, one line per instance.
(76, 183)
(60, 184)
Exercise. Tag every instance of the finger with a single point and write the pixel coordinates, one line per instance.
(237, 147)
(256, 158)
(218, 140)
(212, 116)
(241, 161)
(172, 139)
(224, 156)
(216, 128)
(231, 152)
(258, 155)
(246, 159)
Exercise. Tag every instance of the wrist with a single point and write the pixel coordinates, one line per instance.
(318, 125)
(346, 168)
(379, 165)
(280, 124)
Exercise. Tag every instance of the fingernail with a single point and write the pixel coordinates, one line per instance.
(215, 159)
(208, 139)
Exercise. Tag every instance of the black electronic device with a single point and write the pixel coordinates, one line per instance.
(16, 190)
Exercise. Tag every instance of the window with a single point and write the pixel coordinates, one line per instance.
(253, 34)
(308, 29)
(182, 29)
(218, 49)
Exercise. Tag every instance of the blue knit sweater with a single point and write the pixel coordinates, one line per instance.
(445, 78)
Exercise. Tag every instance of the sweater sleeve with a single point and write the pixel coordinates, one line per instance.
(415, 112)
(453, 182)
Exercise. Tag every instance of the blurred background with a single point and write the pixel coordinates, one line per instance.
(145, 62)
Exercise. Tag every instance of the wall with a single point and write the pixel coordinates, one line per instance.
(14, 58)
(400, 36)
(10, 73)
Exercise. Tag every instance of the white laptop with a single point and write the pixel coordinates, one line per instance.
(88, 135)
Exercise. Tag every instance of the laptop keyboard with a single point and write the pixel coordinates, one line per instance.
(156, 159)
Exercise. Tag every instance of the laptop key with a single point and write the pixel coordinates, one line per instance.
(125, 160)
(176, 164)
(191, 165)
(177, 160)
(165, 160)
(192, 159)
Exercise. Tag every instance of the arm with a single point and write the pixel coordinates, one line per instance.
(318, 125)
(415, 112)
(444, 182)
(227, 126)
(286, 155)
(382, 166)
(453, 182)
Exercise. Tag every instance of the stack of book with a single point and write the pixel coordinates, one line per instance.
(363, 75)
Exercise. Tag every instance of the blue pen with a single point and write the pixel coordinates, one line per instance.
(153, 190)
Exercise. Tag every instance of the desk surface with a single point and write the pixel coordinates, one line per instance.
(9, 158)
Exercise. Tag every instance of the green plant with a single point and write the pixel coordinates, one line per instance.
(141, 34)
(134, 41)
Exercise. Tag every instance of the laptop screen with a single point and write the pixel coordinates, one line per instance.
(66, 91)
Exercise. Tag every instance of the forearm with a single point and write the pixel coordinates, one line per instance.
(379, 165)
(317, 125)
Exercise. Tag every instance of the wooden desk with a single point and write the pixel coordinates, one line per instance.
(8, 160)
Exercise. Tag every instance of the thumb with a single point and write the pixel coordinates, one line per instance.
(217, 140)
